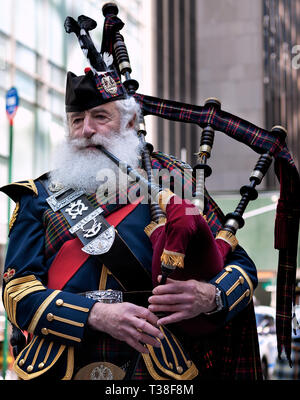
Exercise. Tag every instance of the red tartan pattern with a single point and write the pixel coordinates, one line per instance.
(120, 91)
(214, 215)
(56, 232)
(257, 138)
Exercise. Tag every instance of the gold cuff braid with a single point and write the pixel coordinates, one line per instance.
(228, 237)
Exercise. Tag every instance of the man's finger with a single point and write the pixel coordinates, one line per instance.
(170, 319)
(171, 287)
(145, 314)
(145, 327)
(166, 307)
(170, 299)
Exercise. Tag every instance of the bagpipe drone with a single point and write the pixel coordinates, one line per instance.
(184, 246)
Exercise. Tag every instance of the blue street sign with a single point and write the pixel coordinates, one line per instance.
(12, 102)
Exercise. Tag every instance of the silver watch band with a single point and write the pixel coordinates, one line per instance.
(219, 302)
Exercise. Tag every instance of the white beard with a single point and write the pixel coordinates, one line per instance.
(81, 168)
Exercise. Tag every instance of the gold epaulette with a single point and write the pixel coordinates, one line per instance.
(16, 189)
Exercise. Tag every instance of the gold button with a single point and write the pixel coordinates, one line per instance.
(247, 292)
(29, 368)
(21, 362)
(179, 369)
(241, 279)
(50, 317)
(59, 302)
(228, 269)
(41, 365)
(44, 331)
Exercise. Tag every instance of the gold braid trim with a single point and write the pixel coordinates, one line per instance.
(151, 358)
(16, 290)
(41, 310)
(163, 198)
(29, 184)
(27, 376)
(229, 238)
(14, 216)
(250, 284)
(149, 229)
(172, 258)
(70, 365)
(103, 278)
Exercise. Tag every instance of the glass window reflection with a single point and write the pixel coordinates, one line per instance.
(23, 144)
(25, 21)
(25, 58)
(25, 86)
(5, 15)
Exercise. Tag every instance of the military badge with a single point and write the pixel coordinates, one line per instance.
(100, 371)
(109, 85)
(76, 208)
(55, 187)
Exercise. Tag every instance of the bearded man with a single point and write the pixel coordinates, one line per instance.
(50, 283)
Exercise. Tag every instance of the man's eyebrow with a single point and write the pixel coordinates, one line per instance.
(102, 111)
(76, 114)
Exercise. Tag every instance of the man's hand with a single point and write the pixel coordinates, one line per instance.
(126, 322)
(182, 299)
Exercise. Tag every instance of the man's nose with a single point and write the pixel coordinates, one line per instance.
(88, 128)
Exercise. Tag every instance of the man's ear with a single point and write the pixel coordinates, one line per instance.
(132, 122)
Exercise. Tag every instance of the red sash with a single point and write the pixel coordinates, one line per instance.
(70, 257)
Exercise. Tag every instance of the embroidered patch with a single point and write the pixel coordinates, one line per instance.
(9, 274)
(109, 85)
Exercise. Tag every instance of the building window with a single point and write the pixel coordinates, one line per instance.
(281, 23)
(25, 21)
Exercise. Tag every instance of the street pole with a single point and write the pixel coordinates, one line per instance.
(12, 103)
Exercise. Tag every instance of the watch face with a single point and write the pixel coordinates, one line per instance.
(219, 299)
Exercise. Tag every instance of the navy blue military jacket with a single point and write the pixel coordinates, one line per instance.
(56, 320)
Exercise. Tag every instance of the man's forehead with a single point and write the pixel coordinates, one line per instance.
(106, 108)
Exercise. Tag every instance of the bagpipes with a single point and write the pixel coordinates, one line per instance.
(177, 234)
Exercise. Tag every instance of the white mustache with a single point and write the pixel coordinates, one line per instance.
(96, 139)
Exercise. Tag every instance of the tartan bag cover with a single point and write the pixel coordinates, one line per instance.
(288, 209)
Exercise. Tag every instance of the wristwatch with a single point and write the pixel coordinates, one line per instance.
(219, 302)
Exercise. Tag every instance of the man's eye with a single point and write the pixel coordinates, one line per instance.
(100, 116)
(77, 121)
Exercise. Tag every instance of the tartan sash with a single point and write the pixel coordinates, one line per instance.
(70, 257)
